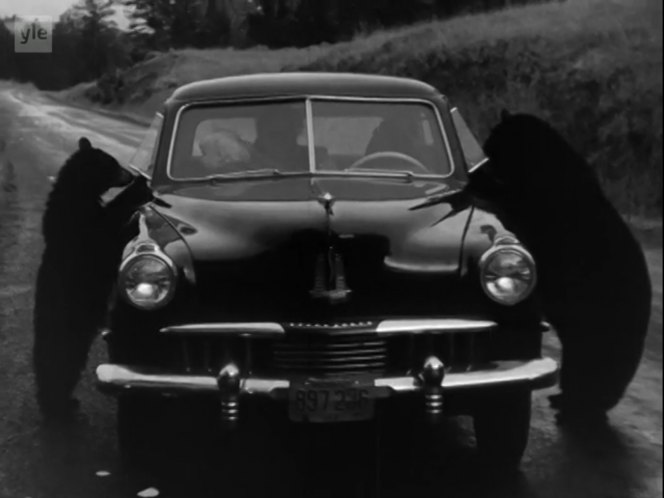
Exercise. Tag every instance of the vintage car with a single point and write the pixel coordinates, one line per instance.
(312, 245)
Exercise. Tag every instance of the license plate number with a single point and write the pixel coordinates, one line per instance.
(309, 402)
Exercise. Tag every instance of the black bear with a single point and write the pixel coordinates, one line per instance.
(594, 281)
(83, 245)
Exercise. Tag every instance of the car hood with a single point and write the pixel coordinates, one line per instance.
(245, 221)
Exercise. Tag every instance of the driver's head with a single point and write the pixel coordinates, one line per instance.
(222, 149)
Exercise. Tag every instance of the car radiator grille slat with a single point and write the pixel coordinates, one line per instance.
(311, 356)
(314, 353)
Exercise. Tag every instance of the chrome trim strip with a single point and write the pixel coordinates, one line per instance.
(171, 147)
(126, 378)
(479, 165)
(533, 374)
(310, 136)
(434, 325)
(446, 268)
(540, 374)
(308, 99)
(263, 386)
(483, 161)
(385, 327)
(158, 115)
(247, 329)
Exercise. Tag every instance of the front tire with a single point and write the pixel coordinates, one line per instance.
(502, 426)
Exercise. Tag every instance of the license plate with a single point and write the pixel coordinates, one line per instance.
(317, 402)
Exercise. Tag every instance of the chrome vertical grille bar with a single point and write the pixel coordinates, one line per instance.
(471, 350)
(206, 355)
(451, 342)
(248, 360)
(186, 355)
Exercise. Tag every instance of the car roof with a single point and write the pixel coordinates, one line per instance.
(304, 84)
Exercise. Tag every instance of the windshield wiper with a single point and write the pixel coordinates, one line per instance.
(256, 174)
(251, 172)
(409, 176)
(271, 173)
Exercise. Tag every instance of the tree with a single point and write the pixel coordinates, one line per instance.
(98, 35)
(7, 63)
(164, 24)
(150, 21)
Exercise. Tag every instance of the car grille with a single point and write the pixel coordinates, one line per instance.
(309, 353)
(313, 354)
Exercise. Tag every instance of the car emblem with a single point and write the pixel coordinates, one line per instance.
(327, 200)
(330, 281)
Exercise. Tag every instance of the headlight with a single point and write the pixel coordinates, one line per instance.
(508, 274)
(147, 281)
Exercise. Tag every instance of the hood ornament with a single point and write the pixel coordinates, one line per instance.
(330, 281)
(327, 200)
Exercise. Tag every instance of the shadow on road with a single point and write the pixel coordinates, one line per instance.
(265, 465)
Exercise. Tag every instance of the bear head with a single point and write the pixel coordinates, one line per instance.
(92, 171)
(527, 154)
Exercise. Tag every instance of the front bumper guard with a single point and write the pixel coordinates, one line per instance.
(432, 381)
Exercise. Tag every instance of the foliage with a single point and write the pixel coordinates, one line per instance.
(160, 24)
(86, 45)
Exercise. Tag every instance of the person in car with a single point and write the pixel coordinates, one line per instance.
(276, 144)
(400, 132)
(224, 151)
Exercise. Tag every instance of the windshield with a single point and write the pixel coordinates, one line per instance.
(347, 137)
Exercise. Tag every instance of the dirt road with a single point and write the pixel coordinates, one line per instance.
(36, 135)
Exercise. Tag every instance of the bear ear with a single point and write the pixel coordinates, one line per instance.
(84, 144)
(505, 115)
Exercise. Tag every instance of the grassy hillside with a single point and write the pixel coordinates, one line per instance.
(148, 84)
(592, 67)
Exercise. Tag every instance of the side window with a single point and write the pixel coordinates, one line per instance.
(144, 158)
(472, 150)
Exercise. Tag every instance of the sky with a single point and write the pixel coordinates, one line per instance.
(28, 8)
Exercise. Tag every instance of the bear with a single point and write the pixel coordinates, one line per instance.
(83, 247)
(594, 282)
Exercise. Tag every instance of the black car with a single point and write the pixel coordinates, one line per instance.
(312, 245)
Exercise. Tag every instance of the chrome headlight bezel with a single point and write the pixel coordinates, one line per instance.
(507, 246)
(141, 253)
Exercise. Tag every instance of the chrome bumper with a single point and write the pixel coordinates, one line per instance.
(533, 374)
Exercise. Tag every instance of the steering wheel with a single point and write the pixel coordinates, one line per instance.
(381, 156)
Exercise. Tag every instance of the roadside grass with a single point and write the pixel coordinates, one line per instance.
(591, 67)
